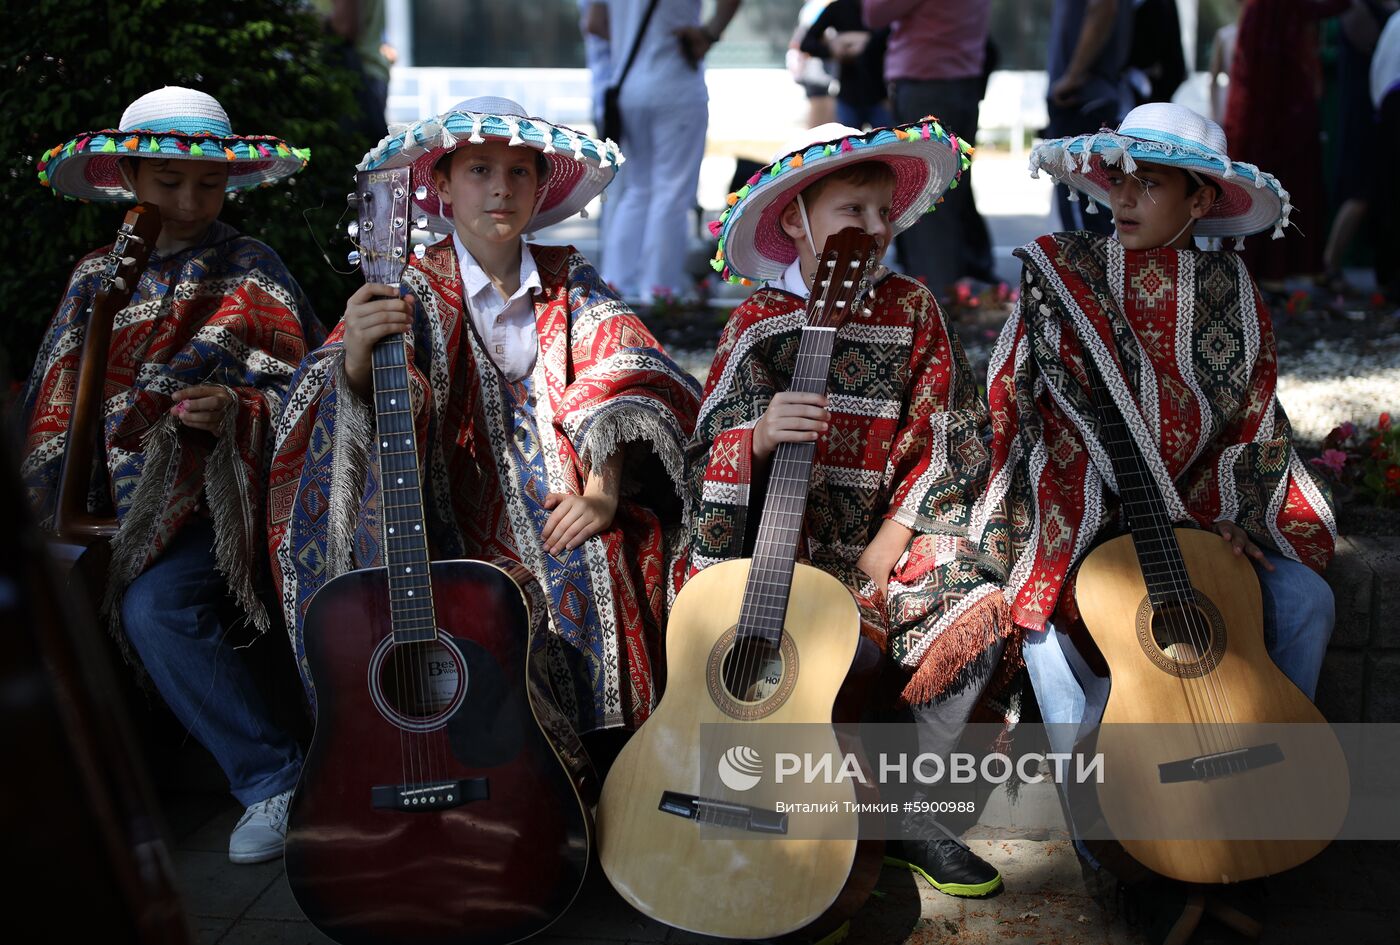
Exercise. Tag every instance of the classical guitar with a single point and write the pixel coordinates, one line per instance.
(751, 641)
(123, 265)
(1178, 618)
(435, 806)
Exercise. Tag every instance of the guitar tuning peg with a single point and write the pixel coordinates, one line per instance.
(419, 249)
(421, 193)
(352, 229)
(421, 223)
(352, 200)
(353, 257)
(120, 283)
(133, 238)
(398, 223)
(128, 261)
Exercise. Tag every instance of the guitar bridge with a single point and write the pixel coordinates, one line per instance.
(723, 813)
(1220, 764)
(438, 795)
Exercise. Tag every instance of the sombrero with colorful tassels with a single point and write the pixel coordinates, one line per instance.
(1162, 133)
(926, 159)
(172, 123)
(580, 166)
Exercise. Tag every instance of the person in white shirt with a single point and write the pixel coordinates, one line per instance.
(551, 421)
(665, 112)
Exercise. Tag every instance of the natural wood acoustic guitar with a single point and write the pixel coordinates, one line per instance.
(761, 641)
(1236, 757)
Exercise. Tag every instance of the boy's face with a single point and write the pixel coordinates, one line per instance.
(838, 205)
(492, 189)
(190, 194)
(1151, 206)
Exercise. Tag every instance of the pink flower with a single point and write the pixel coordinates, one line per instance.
(1334, 461)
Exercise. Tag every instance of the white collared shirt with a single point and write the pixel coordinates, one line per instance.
(505, 326)
(792, 281)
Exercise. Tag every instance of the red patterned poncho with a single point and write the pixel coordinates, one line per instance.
(905, 443)
(600, 383)
(225, 311)
(1185, 346)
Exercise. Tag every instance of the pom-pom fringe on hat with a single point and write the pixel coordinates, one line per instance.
(1251, 201)
(580, 167)
(926, 159)
(171, 123)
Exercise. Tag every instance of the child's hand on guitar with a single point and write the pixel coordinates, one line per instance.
(791, 417)
(203, 406)
(375, 311)
(1240, 540)
(575, 518)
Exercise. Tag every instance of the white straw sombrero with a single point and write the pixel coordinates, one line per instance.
(926, 159)
(580, 167)
(1161, 133)
(171, 123)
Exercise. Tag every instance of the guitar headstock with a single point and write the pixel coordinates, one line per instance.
(842, 277)
(130, 252)
(381, 234)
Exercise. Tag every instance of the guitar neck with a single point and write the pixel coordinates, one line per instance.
(1159, 555)
(401, 496)
(789, 481)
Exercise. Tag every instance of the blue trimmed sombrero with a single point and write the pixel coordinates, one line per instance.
(1251, 201)
(172, 123)
(926, 158)
(580, 166)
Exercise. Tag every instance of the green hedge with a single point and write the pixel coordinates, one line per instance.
(75, 66)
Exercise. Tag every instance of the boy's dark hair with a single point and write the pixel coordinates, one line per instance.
(444, 164)
(857, 174)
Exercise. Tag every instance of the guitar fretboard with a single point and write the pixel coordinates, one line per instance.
(789, 477)
(1159, 555)
(401, 496)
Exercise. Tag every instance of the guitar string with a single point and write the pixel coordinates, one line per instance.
(405, 743)
(1152, 524)
(1220, 731)
(772, 569)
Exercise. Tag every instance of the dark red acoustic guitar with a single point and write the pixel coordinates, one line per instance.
(439, 803)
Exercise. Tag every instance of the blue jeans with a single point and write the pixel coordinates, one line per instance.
(858, 116)
(171, 615)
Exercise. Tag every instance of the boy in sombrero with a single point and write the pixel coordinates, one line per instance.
(196, 375)
(553, 423)
(1184, 342)
(899, 452)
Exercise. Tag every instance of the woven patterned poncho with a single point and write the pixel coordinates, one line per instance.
(600, 383)
(905, 442)
(225, 311)
(1185, 346)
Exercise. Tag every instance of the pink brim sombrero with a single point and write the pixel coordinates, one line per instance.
(1251, 201)
(580, 167)
(926, 160)
(171, 123)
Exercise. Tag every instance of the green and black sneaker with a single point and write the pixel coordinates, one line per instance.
(948, 865)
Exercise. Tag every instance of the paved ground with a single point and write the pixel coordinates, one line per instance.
(1344, 896)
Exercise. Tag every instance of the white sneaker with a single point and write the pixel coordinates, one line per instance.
(260, 831)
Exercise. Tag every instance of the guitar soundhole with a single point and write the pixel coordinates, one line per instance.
(1185, 639)
(418, 686)
(749, 678)
(753, 670)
